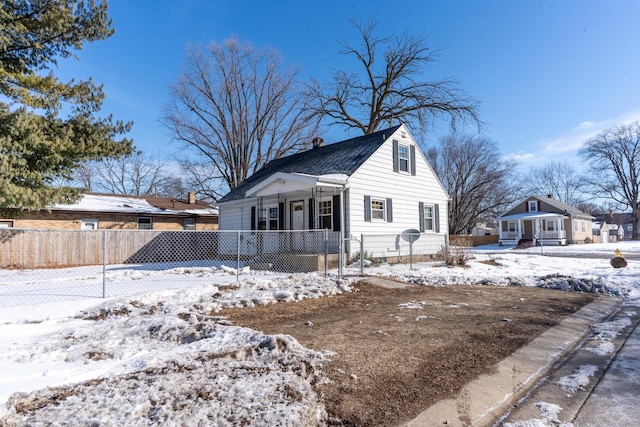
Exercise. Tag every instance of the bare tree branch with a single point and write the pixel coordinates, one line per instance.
(558, 179)
(614, 157)
(477, 180)
(388, 91)
(234, 109)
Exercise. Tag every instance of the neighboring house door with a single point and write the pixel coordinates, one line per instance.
(605, 236)
(297, 223)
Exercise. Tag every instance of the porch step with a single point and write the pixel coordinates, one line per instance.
(525, 243)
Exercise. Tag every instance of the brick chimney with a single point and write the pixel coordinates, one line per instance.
(317, 142)
(191, 197)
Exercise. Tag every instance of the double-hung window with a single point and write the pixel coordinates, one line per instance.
(403, 158)
(325, 214)
(268, 218)
(189, 224)
(377, 210)
(428, 217)
(512, 226)
(533, 206)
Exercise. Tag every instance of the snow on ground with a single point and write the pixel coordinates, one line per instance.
(156, 353)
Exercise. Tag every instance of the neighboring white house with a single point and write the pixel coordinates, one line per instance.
(546, 221)
(377, 184)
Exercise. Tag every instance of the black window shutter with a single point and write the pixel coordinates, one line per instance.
(253, 217)
(389, 211)
(281, 216)
(539, 210)
(336, 212)
(396, 162)
(413, 160)
(311, 214)
(367, 208)
(421, 215)
(526, 206)
(436, 218)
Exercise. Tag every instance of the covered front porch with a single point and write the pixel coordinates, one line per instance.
(535, 228)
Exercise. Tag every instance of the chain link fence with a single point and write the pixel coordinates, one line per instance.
(408, 248)
(40, 266)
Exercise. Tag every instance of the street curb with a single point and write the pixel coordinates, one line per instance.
(483, 401)
(572, 402)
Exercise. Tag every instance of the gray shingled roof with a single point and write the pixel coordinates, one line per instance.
(343, 157)
(562, 206)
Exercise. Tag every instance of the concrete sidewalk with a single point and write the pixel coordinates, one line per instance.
(607, 389)
(484, 401)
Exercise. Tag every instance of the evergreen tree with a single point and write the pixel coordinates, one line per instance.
(48, 127)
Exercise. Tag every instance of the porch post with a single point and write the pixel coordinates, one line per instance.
(341, 246)
(519, 231)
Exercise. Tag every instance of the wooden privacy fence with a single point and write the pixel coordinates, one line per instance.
(23, 248)
(469, 240)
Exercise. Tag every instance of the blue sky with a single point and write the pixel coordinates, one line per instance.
(549, 74)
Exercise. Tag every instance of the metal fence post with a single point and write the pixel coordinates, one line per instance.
(104, 264)
(326, 251)
(362, 254)
(238, 258)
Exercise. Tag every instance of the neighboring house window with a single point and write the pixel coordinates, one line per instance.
(189, 223)
(403, 158)
(145, 223)
(533, 206)
(89, 224)
(512, 226)
(575, 225)
(325, 216)
(584, 227)
(6, 224)
(378, 209)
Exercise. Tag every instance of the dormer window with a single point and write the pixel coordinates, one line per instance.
(533, 206)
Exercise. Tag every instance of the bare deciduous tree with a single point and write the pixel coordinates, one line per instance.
(477, 179)
(388, 89)
(138, 174)
(614, 157)
(236, 108)
(561, 180)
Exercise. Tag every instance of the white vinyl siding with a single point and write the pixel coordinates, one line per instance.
(376, 180)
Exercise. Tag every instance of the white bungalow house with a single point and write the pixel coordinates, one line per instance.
(378, 184)
(540, 220)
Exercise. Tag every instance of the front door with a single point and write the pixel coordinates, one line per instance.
(297, 225)
(297, 215)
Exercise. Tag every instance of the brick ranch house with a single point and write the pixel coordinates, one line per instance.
(109, 211)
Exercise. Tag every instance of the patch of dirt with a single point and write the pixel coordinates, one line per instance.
(399, 351)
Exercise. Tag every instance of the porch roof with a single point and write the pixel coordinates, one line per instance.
(282, 182)
(531, 216)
